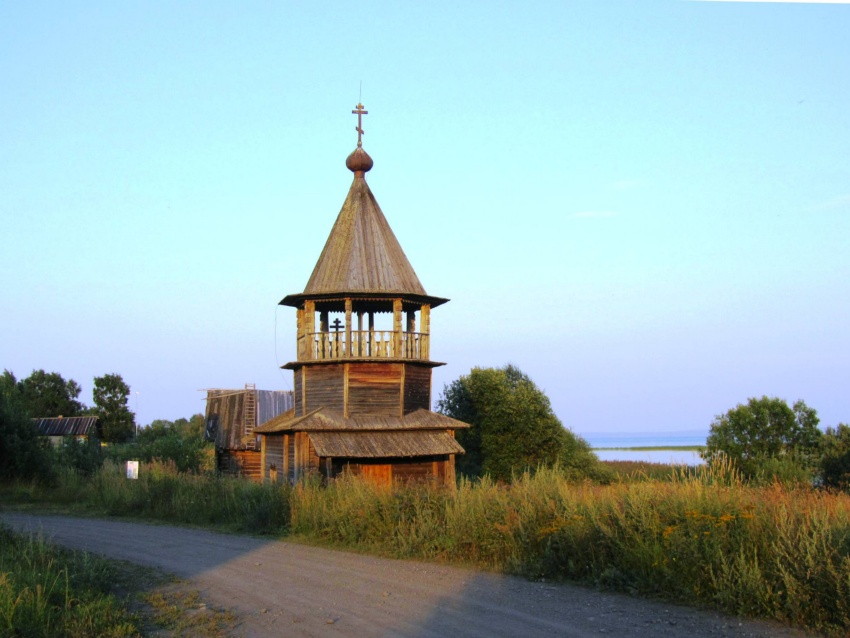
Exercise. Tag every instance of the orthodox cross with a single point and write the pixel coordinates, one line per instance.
(359, 112)
(336, 325)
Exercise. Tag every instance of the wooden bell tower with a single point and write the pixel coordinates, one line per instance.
(362, 373)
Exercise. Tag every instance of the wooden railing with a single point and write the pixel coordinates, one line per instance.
(366, 344)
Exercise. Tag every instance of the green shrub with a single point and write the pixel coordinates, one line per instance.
(835, 457)
(22, 454)
(85, 457)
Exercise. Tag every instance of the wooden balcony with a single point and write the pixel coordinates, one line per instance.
(366, 344)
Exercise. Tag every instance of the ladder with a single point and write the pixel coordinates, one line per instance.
(249, 413)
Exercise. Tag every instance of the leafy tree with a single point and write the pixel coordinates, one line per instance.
(766, 437)
(180, 442)
(9, 385)
(194, 427)
(513, 427)
(22, 454)
(110, 399)
(835, 457)
(47, 394)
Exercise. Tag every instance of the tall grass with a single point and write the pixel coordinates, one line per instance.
(47, 591)
(162, 493)
(768, 551)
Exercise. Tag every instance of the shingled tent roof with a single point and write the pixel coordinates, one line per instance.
(362, 256)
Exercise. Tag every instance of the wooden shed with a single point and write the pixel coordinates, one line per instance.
(362, 374)
(232, 416)
(56, 429)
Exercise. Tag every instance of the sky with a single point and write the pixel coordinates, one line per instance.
(645, 206)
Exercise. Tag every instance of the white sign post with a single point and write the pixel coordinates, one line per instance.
(132, 469)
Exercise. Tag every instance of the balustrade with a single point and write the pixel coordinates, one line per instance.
(365, 344)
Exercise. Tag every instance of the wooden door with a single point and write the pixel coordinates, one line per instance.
(378, 474)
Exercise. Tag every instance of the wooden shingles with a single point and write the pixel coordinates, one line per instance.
(384, 444)
(67, 426)
(326, 420)
(362, 254)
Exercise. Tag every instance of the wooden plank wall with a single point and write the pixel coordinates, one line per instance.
(289, 450)
(428, 469)
(228, 411)
(417, 388)
(325, 388)
(243, 462)
(374, 389)
(299, 403)
(273, 457)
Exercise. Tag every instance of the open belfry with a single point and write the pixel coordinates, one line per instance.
(362, 374)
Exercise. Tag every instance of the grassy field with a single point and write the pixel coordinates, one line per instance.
(699, 536)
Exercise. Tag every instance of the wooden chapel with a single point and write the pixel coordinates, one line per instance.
(362, 374)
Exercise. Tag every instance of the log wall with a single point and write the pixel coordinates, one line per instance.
(374, 389)
(324, 387)
(417, 388)
(244, 462)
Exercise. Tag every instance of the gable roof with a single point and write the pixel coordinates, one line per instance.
(67, 426)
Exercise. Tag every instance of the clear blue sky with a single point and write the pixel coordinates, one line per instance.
(645, 206)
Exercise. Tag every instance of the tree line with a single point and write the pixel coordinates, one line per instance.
(23, 454)
(513, 429)
(48, 395)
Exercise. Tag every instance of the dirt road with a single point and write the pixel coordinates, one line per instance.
(285, 589)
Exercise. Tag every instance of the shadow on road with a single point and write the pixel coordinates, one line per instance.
(186, 555)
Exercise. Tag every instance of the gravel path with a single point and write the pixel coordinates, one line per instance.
(284, 589)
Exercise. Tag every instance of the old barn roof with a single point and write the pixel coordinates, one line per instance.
(323, 419)
(66, 426)
(362, 255)
(384, 444)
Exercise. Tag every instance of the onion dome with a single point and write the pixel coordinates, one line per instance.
(359, 162)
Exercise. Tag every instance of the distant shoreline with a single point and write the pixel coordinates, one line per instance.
(659, 448)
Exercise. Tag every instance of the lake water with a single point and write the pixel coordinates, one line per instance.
(654, 439)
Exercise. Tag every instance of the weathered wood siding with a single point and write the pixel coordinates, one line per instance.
(417, 388)
(299, 389)
(428, 469)
(273, 469)
(374, 389)
(226, 410)
(289, 450)
(244, 462)
(235, 413)
(325, 387)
